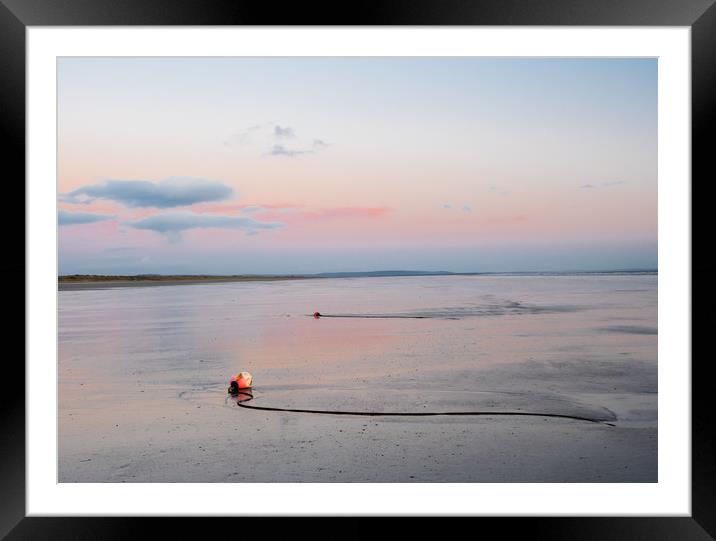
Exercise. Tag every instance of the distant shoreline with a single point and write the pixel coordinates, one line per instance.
(69, 283)
(94, 281)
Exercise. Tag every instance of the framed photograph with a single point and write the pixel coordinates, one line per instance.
(425, 261)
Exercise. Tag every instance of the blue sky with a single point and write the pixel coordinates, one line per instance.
(231, 165)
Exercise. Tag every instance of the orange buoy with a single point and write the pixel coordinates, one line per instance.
(242, 380)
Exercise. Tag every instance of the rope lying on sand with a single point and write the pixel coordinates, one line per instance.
(318, 315)
(242, 404)
(377, 316)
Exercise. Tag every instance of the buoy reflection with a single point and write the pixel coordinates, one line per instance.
(242, 396)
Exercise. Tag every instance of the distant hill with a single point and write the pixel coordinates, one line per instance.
(389, 273)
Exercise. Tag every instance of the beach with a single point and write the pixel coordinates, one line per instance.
(143, 376)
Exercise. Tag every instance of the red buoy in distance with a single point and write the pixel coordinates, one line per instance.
(316, 315)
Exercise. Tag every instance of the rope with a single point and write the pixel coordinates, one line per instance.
(372, 316)
(241, 404)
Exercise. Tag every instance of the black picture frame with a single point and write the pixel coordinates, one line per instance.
(699, 15)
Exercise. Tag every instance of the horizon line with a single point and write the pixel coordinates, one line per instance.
(392, 271)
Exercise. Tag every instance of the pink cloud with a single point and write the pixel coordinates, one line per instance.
(335, 213)
(299, 212)
(223, 208)
(347, 212)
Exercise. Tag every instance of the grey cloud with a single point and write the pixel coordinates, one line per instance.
(76, 218)
(464, 208)
(283, 133)
(244, 136)
(172, 224)
(168, 193)
(280, 150)
(251, 209)
(279, 133)
(499, 191)
(602, 185)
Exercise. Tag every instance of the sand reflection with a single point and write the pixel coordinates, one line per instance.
(294, 341)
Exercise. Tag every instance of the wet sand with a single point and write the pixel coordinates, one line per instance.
(143, 378)
(266, 447)
(151, 441)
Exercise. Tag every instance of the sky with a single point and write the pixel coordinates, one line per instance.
(307, 165)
